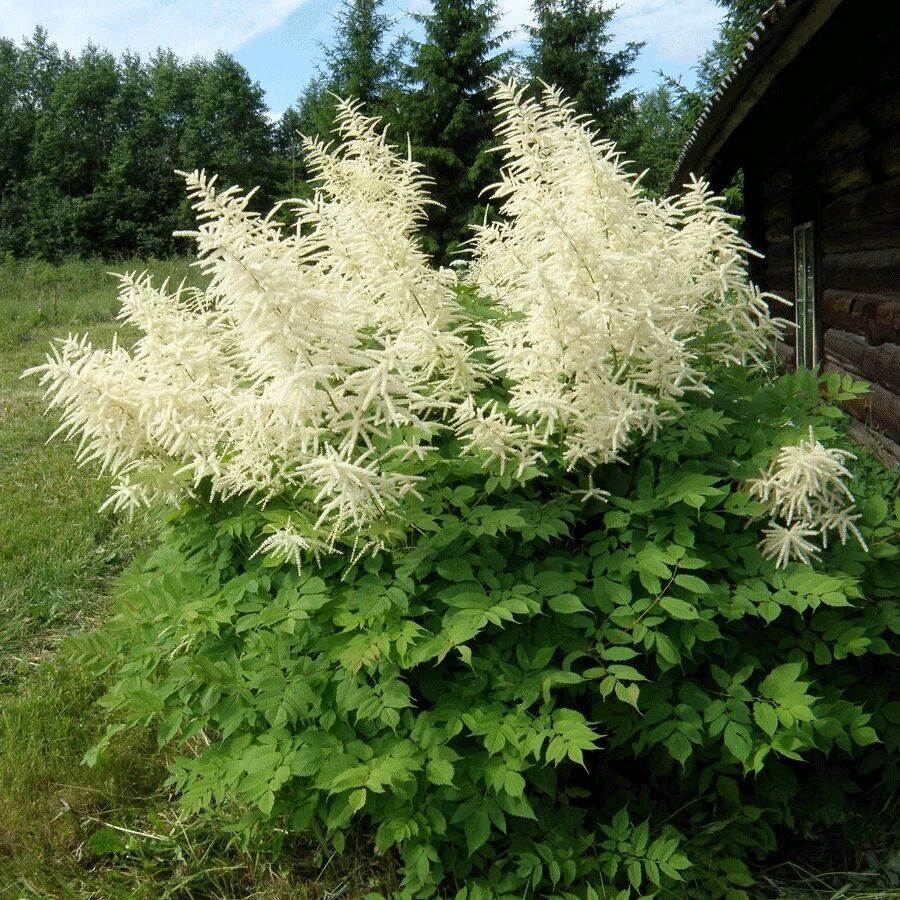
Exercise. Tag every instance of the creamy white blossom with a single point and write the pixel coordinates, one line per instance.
(322, 360)
(615, 302)
(289, 544)
(312, 351)
(808, 498)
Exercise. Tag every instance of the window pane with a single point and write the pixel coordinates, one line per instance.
(805, 290)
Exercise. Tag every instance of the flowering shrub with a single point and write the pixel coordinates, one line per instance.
(475, 566)
(806, 488)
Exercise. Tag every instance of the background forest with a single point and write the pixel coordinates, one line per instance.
(90, 143)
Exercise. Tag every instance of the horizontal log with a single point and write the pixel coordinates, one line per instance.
(881, 447)
(827, 142)
(781, 285)
(883, 109)
(780, 257)
(774, 185)
(860, 236)
(780, 278)
(886, 157)
(811, 144)
(879, 202)
(880, 365)
(879, 409)
(777, 212)
(786, 354)
(874, 316)
(843, 175)
(781, 232)
(870, 271)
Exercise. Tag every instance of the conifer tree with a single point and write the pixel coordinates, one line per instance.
(653, 136)
(361, 64)
(358, 64)
(447, 112)
(740, 18)
(570, 48)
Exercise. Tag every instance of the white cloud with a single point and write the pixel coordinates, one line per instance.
(189, 27)
(678, 31)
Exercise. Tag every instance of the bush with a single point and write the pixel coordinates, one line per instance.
(538, 693)
(489, 570)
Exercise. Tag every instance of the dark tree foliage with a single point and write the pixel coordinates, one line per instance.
(27, 78)
(740, 18)
(90, 145)
(360, 62)
(570, 49)
(652, 137)
(447, 111)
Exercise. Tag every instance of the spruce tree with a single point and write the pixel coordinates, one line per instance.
(740, 18)
(359, 63)
(653, 136)
(570, 48)
(448, 114)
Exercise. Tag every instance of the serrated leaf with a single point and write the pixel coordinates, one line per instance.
(692, 583)
(514, 784)
(679, 747)
(781, 681)
(478, 830)
(764, 716)
(266, 802)
(439, 771)
(566, 603)
(875, 510)
(628, 693)
(615, 653)
(455, 570)
(737, 740)
(357, 800)
(864, 736)
(679, 609)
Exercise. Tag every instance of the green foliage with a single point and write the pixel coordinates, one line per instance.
(652, 137)
(740, 18)
(55, 550)
(535, 692)
(91, 143)
(569, 49)
(359, 63)
(448, 115)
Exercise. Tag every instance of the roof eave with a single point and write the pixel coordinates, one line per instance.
(782, 33)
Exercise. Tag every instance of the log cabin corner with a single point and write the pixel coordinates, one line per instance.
(810, 113)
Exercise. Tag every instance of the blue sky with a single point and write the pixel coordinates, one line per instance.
(279, 41)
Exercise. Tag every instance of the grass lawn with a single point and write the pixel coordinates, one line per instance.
(112, 831)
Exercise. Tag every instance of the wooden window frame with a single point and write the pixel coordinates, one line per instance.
(806, 311)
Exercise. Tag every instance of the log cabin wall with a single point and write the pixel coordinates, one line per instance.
(824, 146)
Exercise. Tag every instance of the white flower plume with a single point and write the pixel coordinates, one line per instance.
(323, 359)
(615, 302)
(805, 488)
(311, 353)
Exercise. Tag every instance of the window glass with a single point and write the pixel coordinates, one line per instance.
(805, 294)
